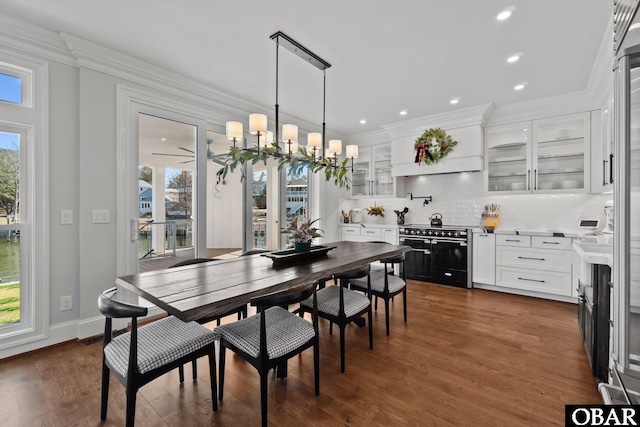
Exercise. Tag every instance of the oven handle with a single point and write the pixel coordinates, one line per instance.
(424, 251)
(460, 242)
(404, 239)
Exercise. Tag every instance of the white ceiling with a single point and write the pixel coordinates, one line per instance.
(386, 55)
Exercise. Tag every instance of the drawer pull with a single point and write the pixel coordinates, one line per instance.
(531, 280)
(551, 243)
(512, 240)
(536, 259)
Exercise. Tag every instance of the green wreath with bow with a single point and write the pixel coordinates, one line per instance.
(433, 145)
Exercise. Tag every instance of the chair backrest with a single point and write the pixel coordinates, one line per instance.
(395, 259)
(355, 273)
(111, 308)
(192, 261)
(285, 297)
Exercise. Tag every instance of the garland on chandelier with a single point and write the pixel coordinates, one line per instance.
(433, 145)
(333, 170)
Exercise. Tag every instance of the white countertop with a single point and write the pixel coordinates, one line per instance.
(594, 253)
(532, 232)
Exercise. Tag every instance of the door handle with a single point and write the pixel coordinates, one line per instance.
(610, 168)
(604, 172)
(528, 179)
(535, 179)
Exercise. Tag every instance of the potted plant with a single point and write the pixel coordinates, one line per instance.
(376, 211)
(301, 231)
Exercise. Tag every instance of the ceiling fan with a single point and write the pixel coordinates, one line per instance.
(217, 158)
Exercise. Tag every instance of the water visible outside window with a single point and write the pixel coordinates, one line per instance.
(10, 89)
(260, 209)
(9, 236)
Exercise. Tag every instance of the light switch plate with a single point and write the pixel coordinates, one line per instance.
(66, 217)
(101, 216)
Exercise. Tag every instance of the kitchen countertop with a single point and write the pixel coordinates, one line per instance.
(594, 253)
(532, 232)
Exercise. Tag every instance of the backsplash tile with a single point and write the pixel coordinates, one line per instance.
(460, 199)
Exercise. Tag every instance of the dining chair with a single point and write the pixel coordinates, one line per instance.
(341, 305)
(272, 336)
(385, 285)
(145, 353)
(241, 310)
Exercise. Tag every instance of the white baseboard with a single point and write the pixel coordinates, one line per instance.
(76, 329)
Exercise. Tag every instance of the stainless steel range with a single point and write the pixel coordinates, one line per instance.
(439, 255)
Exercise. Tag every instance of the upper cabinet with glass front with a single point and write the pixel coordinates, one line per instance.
(372, 173)
(548, 155)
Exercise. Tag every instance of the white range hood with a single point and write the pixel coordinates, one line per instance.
(464, 126)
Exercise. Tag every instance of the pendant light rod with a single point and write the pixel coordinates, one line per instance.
(277, 133)
(324, 104)
(298, 49)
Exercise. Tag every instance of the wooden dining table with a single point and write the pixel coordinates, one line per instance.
(201, 291)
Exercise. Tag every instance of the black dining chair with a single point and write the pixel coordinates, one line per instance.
(383, 284)
(272, 336)
(341, 305)
(147, 352)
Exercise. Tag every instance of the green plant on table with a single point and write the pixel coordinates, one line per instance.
(301, 229)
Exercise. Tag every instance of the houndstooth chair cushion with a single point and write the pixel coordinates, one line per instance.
(329, 301)
(159, 343)
(285, 333)
(377, 282)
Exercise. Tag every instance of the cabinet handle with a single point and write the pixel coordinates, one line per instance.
(530, 280)
(551, 243)
(604, 172)
(483, 235)
(536, 259)
(535, 179)
(528, 179)
(610, 168)
(511, 240)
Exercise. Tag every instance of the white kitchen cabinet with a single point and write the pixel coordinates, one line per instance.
(534, 263)
(484, 258)
(540, 156)
(371, 176)
(602, 148)
(369, 233)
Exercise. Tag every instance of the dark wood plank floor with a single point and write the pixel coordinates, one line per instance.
(464, 358)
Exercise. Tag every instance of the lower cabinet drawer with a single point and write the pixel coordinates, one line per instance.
(350, 231)
(548, 260)
(371, 233)
(534, 280)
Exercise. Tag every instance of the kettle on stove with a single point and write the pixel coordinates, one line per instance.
(436, 220)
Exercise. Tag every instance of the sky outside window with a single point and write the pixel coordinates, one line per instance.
(10, 89)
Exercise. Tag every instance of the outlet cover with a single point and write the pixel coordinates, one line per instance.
(101, 216)
(66, 303)
(66, 217)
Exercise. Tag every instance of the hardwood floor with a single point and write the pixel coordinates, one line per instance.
(465, 357)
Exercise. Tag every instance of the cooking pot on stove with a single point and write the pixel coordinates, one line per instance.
(436, 220)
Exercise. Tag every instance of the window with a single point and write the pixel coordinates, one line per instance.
(15, 85)
(24, 232)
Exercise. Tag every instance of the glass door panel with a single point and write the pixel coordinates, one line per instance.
(360, 178)
(382, 178)
(508, 157)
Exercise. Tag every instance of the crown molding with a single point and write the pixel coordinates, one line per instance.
(28, 38)
(472, 116)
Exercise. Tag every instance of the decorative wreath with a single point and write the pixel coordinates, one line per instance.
(433, 145)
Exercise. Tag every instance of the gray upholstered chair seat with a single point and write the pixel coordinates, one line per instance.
(377, 282)
(285, 332)
(159, 343)
(329, 301)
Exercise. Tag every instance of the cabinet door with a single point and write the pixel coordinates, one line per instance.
(602, 148)
(484, 258)
(361, 175)
(508, 167)
(390, 235)
(561, 153)
(383, 181)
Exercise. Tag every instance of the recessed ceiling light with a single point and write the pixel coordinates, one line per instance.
(363, 121)
(163, 139)
(503, 15)
(454, 100)
(403, 112)
(513, 58)
(519, 87)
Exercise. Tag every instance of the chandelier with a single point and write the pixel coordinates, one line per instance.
(284, 146)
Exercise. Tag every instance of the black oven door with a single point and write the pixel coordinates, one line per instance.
(418, 261)
(449, 262)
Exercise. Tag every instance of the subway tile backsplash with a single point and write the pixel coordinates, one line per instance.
(460, 198)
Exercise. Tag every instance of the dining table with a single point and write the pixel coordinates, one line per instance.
(201, 291)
